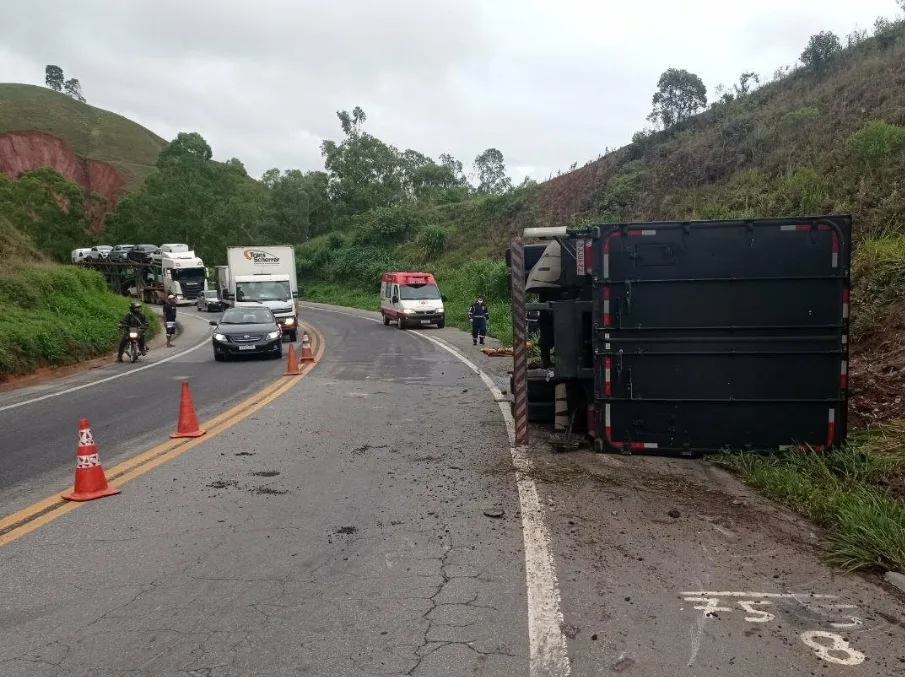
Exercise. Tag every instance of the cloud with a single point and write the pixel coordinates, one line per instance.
(546, 83)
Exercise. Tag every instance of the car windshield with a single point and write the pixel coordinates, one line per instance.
(247, 316)
(416, 292)
(210, 294)
(263, 291)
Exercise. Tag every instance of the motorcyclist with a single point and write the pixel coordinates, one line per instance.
(135, 318)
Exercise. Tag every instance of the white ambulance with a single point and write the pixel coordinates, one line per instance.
(411, 300)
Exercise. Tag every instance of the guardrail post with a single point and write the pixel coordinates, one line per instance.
(519, 340)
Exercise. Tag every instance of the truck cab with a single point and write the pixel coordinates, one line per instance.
(184, 276)
(411, 299)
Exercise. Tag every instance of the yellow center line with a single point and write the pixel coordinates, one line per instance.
(38, 514)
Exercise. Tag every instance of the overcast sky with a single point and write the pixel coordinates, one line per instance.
(548, 83)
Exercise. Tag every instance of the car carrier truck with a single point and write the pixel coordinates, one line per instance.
(693, 337)
(262, 275)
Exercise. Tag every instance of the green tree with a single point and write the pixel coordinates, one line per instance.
(186, 147)
(364, 172)
(193, 199)
(73, 89)
(298, 206)
(53, 77)
(821, 51)
(743, 86)
(490, 171)
(679, 95)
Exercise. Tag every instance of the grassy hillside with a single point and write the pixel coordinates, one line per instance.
(50, 315)
(90, 132)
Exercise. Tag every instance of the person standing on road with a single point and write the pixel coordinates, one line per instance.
(479, 317)
(169, 317)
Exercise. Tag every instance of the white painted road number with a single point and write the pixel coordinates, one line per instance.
(837, 651)
(827, 646)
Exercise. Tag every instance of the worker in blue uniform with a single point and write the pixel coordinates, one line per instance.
(479, 317)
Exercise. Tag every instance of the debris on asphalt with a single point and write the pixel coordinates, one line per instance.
(623, 664)
(495, 513)
(346, 530)
(675, 514)
(270, 491)
(569, 631)
(266, 473)
(223, 484)
(245, 453)
(367, 447)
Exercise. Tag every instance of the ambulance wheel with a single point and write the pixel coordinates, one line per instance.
(386, 321)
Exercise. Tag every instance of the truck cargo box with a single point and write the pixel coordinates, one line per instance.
(722, 334)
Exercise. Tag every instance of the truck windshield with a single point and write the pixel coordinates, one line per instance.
(188, 273)
(263, 291)
(418, 292)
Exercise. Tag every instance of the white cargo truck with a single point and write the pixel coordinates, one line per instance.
(262, 275)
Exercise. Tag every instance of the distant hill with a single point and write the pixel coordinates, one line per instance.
(101, 151)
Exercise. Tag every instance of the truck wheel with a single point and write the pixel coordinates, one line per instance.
(293, 337)
(441, 324)
(386, 320)
(400, 323)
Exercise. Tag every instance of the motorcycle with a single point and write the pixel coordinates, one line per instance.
(134, 333)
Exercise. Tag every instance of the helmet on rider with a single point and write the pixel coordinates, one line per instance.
(135, 306)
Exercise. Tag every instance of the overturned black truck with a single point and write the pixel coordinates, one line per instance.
(692, 337)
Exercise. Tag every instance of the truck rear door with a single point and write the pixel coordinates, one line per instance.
(722, 335)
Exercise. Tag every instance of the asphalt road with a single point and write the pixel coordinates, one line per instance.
(136, 409)
(341, 530)
(369, 522)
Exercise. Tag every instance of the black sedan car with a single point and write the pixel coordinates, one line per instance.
(246, 330)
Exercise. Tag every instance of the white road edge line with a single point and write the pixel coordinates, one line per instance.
(109, 378)
(547, 643)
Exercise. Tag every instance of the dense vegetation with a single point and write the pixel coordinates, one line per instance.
(50, 315)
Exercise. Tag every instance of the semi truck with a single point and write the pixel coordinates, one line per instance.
(692, 337)
(262, 275)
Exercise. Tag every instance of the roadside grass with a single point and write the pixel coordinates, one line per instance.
(857, 494)
(53, 315)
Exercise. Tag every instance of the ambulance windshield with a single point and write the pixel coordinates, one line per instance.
(419, 292)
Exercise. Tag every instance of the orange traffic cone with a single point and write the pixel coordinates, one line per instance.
(188, 421)
(292, 365)
(307, 355)
(90, 481)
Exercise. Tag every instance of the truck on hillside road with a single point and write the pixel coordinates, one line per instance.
(262, 276)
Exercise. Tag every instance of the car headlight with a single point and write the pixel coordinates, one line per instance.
(219, 337)
(407, 311)
(272, 335)
(289, 320)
